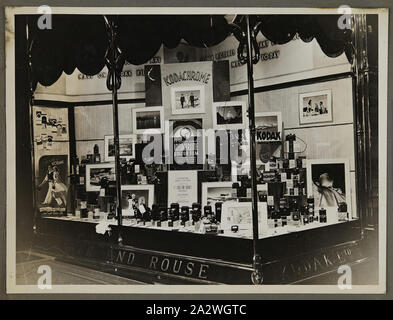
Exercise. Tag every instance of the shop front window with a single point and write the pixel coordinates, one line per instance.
(184, 143)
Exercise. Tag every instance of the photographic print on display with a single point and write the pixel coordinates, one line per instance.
(136, 195)
(328, 182)
(229, 115)
(95, 172)
(185, 145)
(148, 118)
(127, 147)
(188, 100)
(52, 184)
(315, 107)
(239, 214)
(268, 126)
(213, 192)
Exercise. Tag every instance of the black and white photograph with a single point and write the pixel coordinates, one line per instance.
(315, 107)
(213, 192)
(95, 173)
(188, 100)
(126, 144)
(329, 183)
(136, 196)
(148, 120)
(252, 174)
(229, 115)
(185, 144)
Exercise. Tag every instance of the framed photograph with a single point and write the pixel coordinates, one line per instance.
(213, 192)
(127, 147)
(229, 115)
(315, 107)
(264, 152)
(148, 120)
(52, 168)
(136, 194)
(328, 182)
(268, 127)
(188, 100)
(95, 172)
(185, 143)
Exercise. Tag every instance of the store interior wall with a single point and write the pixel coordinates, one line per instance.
(332, 140)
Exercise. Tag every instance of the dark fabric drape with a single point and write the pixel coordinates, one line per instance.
(81, 41)
(74, 41)
(333, 41)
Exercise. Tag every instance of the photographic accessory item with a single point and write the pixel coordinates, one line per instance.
(155, 212)
(184, 214)
(235, 186)
(170, 217)
(289, 142)
(210, 228)
(137, 213)
(190, 216)
(342, 207)
(280, 163)
(269, 176)
(145, 212)
(284, 220)
(175, 211)
(322, 215)
(295, 216)
(196, 212)
(207, 211)
(163, 214)
(241, 190)
(262, 196)
(96, 213)
(270, 212)
(310, 206)
(97, 156)
(90, 158)
(83, 209)
(343, 216)
(218, 210)
(235, 228)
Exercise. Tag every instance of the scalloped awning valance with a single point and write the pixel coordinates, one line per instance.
(81, 41)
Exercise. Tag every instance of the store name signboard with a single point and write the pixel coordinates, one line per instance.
(162, 263)
(329, 260)
(187, 75)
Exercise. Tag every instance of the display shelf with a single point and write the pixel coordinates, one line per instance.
(245, 234)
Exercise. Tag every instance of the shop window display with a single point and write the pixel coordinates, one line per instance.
(167, 147)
